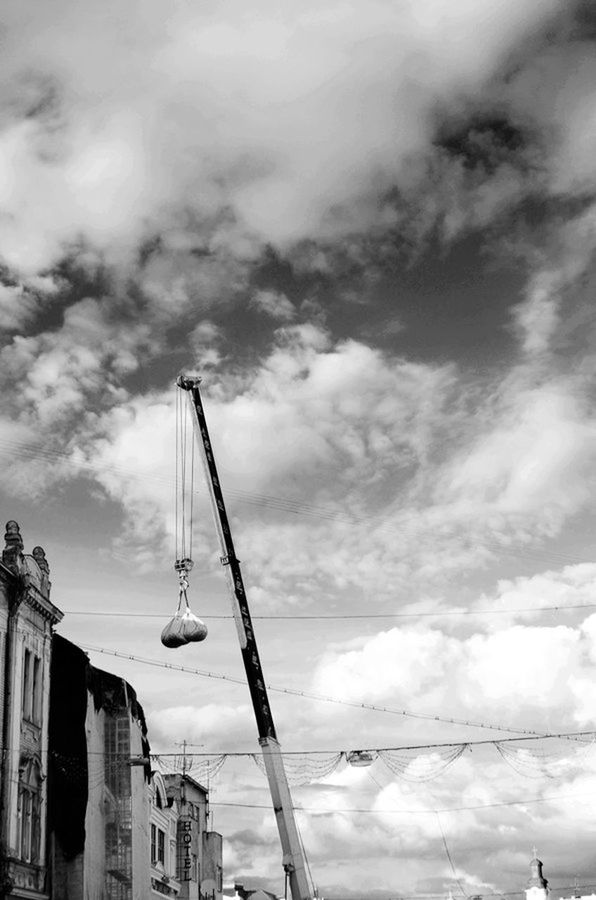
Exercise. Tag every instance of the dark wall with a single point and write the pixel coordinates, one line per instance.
(67, 745)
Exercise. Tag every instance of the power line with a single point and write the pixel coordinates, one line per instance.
(448, 855)
(311, 696)
(562, 735)
(334, 617)
(283, 504)
(518, 893)
(418, 812)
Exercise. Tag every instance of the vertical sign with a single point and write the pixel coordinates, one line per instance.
(184, 849)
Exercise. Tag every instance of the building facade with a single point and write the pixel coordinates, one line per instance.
(27, 620)
(186, 858)
(199, 850)
(82, 817)
(163, 824)
(99, 775)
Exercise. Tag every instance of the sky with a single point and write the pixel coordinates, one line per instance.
(370, 228)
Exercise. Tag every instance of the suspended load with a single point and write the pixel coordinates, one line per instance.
(184, 627)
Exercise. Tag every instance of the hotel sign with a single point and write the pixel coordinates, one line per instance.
(184, 850)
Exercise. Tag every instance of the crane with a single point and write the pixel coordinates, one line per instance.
(293, 860)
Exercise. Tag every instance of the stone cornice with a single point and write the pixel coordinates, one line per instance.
(36, 601)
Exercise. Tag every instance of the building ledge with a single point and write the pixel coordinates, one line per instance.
(29, 880)
(163, 885)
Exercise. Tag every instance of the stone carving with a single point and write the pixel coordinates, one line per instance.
(39, 555)
(14, 545)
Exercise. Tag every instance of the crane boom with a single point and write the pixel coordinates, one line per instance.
(293, 861)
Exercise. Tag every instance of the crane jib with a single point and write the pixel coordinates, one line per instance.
(250, 654)
(294, 859)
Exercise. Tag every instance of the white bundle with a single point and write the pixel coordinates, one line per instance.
(184, 627)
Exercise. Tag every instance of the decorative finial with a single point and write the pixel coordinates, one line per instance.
(14, 544)
(13, 533)
(39, 555)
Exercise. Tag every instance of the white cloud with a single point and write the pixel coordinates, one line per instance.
(526, 675)
(19, 303)
(296, 124)
(337, 446)
(553, 91)
(534, 458)
(211, 724)
(274, 304)
(357, 480)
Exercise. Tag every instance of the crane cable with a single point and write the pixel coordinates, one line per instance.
(184, 493)
(184, 487)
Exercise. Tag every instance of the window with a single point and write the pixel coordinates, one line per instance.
(117, 754)
(36, 691)
(31, 702)
(26, 706)
(219, 882)
(28, 812)
(158, 845)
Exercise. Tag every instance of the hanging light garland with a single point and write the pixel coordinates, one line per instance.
(304, 769)
(420, 767)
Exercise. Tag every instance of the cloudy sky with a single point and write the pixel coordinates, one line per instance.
(371, 228)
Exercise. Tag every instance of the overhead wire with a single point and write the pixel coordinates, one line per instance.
(561, 735)
(451, 720)
(448, 855)
(264, 500)
(425, 895)
(468, 744)
(408, 811)
(423, 766)
(347, 616)
(305, 856)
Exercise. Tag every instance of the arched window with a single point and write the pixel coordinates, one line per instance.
(160, 799)
(29, 810)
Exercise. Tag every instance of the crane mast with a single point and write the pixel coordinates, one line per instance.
(293, 861)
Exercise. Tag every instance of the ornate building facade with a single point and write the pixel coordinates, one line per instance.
(27, 620)
(81, 813)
